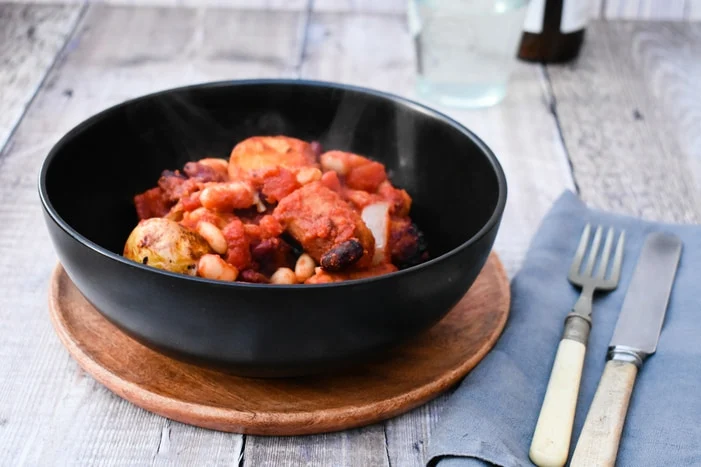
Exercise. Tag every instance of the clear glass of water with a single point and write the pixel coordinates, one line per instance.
(465, 49)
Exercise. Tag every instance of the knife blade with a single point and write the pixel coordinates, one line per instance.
(645, 305)
(634, 339)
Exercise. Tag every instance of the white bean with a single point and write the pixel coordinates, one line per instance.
(213, 235)
(304, 269)
(283, 276)
(308, 175)
(220, 165)
(227, 196)
(213, 267)
(329, 161)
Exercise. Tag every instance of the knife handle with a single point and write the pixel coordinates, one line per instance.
(553, 431)
(601, 434)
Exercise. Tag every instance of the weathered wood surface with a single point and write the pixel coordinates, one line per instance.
(642, 163)
(679, 10)
(630, 109)
(30, 39)
(277, 5)
(644, 9)
(50, 411)
(693, 10)
(669, 59)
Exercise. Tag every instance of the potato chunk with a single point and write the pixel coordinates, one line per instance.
(165, 244)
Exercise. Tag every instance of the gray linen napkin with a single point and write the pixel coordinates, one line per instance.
(490, 417)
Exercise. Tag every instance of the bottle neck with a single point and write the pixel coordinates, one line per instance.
(552, 17)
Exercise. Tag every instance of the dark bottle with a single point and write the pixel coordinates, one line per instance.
(554, 30)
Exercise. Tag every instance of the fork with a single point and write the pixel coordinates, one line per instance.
(551, 438)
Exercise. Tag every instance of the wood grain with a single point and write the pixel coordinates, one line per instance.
(30, 39)
(597, 8)
(356, 396)
(667, 56)
(623, 141)
(644, 9)
(408, 435)
(168, 48)
(367, 6)
(51, 412)
(276, 5)
(350, 448)
(693, 10)
(610, 9)
(601, 433)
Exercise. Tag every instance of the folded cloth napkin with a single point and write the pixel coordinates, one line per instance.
(489, 419)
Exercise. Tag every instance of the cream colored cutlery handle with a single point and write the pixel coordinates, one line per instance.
(551, 439)
(598, 442)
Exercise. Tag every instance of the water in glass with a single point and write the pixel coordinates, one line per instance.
(465, 48)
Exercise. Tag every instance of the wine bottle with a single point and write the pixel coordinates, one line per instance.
(554, 30)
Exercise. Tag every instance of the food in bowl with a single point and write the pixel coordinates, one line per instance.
(279, 211)
(458, 192)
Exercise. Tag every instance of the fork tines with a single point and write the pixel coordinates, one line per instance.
(599, 279)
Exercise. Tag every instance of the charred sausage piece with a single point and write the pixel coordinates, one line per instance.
(342, 256)
(321, 221)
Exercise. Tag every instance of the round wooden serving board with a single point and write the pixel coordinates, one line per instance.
(369, 392)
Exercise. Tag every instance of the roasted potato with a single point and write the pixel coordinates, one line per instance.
(165, 244)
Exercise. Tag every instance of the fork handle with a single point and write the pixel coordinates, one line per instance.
(553, 432)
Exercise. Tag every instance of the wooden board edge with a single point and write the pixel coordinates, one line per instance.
(281, 424)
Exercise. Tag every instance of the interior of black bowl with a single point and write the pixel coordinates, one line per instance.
(94, 174)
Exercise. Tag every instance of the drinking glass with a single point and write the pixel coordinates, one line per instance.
(465, 49)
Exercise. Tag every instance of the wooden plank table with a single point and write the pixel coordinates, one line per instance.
(620, 125)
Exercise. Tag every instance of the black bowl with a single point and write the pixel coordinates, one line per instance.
(89, 178)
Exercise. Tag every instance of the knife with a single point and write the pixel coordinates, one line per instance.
(634, 339)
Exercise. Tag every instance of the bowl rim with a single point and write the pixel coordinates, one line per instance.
(493, 220)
